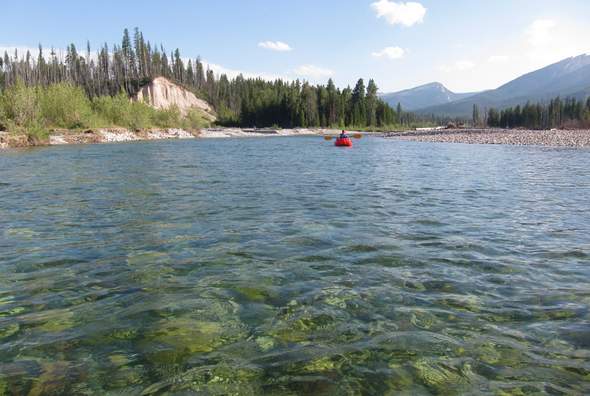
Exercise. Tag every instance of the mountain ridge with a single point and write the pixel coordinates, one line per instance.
(569, 77)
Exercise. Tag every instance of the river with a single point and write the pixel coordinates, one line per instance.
(288, 266)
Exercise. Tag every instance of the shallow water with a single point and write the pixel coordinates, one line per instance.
(287, 266)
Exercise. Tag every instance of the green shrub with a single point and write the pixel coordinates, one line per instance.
(167, 118)
(20, 105)
(120, 111)
(195, 119)
(113, 110)
(64, 105)
(140, 115)
(227, 117)
(37, 135)
(32, 111)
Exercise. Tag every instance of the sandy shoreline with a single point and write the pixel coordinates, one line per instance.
(552, 138)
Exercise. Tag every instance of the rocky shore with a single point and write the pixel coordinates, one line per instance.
(252, 132)
(556, 138)
(110, 135)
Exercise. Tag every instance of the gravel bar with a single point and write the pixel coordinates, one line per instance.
(556, 138)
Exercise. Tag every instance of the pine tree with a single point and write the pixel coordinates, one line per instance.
(475, 116)
(125, 66)
(359, 111)
(332, 104)
(372, 103)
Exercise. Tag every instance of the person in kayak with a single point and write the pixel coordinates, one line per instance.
(343, 135)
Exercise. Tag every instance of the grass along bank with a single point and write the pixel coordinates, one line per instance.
(29, 114)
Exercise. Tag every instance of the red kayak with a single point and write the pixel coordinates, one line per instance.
(343, 142)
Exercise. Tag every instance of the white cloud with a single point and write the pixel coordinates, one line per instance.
(275, 46)
(547, 41)
(34, 51)
(406, 14)
(464, 65)
(539, 32)
(498, 59)
(390, 53)
(232, 73)
(460, 65)
(312, 71)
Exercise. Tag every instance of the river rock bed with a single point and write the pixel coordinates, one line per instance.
(110, 135)
(557, 138)
(113, 135)
(260, 132)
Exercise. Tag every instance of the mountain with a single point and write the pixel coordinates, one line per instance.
(567, 78)
(423, 96)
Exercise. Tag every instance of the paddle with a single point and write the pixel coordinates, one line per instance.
(356, 136)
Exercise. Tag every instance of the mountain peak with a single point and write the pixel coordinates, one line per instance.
(574, 63)
(432, 85)
(430, 94)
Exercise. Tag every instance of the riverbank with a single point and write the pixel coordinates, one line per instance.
(555, 138)
(111, 135)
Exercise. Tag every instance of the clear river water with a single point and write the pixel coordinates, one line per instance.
(287, 266)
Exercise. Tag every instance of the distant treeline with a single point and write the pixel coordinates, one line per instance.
(238, 101)
(558, 113)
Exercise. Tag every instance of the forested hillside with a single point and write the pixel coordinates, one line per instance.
(239, 101)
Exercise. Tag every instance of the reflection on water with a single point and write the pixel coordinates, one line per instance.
(286, 266)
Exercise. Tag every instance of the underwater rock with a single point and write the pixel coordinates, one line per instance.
(265, 343)
(12, 312)
(253, 293)
(414, 285)
(401, 378)
(60, 321)
(126, 376)
(321, 364)
(489, 353)
(301, 323)
(224, 379)
(52, 381)
(304, 328)
(146, 257)
(6, 300)
(175, 339)
(381, 327)
(339, 297)
(24, 233)
(9, 330)
(468, 303)
(3, 387)
(439, 375)
(423, 319)
(195, 336)
(119, 359)
(124, 334)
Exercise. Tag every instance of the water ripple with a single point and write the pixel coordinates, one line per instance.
(261, 267)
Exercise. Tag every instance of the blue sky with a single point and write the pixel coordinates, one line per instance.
(466, 45)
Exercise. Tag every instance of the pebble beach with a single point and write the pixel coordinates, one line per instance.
(555, 138)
